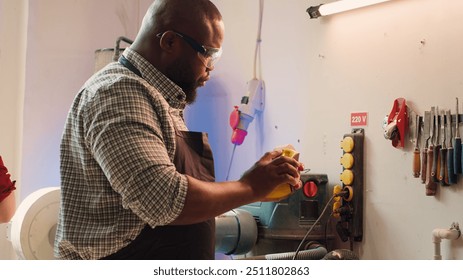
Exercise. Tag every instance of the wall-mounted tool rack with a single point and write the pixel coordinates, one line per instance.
(437, 156)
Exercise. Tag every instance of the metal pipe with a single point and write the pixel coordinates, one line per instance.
(438, 234)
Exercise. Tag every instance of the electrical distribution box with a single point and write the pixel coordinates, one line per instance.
(349, 207)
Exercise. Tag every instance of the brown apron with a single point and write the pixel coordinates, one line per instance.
(193, 157)
(186, 242)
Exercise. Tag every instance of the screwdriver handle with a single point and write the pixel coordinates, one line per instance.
(430, 184)
(450, 166)
(416, 163)
(443, 174)
(435, 164)
(457, 155)
(424, 160)
(442, 158)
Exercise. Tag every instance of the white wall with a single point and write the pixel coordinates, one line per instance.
(62, 39)
(316, 71)
(13, 21)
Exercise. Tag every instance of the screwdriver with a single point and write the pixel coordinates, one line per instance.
(457, 144)
(443, 172)
(450, 158)
(436, 149)
(430, 184)
(416, 152)
(425, 144)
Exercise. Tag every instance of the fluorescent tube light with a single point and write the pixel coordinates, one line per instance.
(339, 6)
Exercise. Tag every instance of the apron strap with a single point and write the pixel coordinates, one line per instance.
(125, 62)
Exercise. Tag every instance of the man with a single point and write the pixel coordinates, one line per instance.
(136, 184)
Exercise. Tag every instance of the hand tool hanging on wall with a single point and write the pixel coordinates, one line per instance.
(443, 171)
(450, 151)
(416, 152)
(425, 145)
(436, 149)
(457, 143)
(397, 123)
(430, 184)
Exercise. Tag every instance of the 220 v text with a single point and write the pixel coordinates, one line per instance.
(265, 271)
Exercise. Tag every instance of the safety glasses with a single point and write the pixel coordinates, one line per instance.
(208, 55)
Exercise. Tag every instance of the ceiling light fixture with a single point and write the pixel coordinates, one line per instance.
(339, 6)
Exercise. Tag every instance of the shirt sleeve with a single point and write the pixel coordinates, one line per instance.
(132, 137)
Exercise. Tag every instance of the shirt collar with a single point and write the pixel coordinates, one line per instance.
(173, 94)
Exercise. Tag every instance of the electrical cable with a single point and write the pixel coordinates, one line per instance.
(257, 55)
(231, 160)
(342, 193)
(257, 64)
(311, 228)
(326, 232)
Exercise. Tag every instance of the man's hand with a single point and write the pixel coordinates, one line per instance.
(270, 171)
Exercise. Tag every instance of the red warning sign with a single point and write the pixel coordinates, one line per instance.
(359, 119)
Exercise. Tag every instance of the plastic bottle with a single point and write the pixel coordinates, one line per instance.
(283, 190)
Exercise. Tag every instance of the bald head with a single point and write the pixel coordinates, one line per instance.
(173, 14)
(198, 18)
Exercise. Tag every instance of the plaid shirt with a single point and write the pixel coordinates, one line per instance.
(116, 159)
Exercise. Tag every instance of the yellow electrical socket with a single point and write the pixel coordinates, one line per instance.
(347, 160)
(351, 193)
(337, 189)
(336, 206)
(347, 144)
(347, 177)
